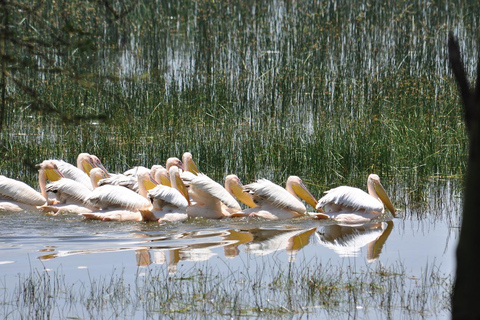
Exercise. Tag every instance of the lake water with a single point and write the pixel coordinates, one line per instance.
(421, 238)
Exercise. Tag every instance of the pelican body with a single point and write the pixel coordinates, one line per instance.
(168, 203)
(18, 196)
(208, 198)
(353, 206)
(274, 202)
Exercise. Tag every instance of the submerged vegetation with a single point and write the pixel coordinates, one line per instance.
(335, 292)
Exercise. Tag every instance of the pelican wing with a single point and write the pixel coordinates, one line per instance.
(266, 191)
(206, 187)
(69, 190)
(117, 196)
(19, 191)
(130, 181)
(72, 172)
(168, 195)
(346, 199)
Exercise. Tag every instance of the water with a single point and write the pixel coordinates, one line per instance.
(421, 240)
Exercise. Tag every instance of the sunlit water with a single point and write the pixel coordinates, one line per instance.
(82, 250)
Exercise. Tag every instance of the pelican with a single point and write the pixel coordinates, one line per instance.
(109, 196)
(354, 206)
(274, 202)
(117, 203)
(71, 195)
(208, 198)
(17, 196)
(168, 203)
(70, 171)
(48, 170)
(128, 179)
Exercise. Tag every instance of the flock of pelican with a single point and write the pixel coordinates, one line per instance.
(177, 191)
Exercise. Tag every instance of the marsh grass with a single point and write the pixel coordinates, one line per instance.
(272, 291)
(326, 91)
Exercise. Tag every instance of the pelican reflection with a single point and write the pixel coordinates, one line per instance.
(347, 241)
(267, 241)
(170, 248)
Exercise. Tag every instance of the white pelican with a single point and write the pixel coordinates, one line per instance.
(235, 187)
(71, 195)
(70, 171)
(117, 203)
(168, 203)
(17, 196)
(128, 179)
(354, 206)
(47, 170)
(274, 202)
(208, 198)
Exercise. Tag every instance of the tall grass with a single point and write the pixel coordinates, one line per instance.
(329, 91)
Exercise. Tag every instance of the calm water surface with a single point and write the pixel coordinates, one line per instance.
(31, 241)
(419, 239)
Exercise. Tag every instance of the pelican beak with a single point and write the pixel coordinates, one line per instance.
(165, 181)
(150, 183)
(383, 196)
(182, 188)
(302, 191)
(87, 167)
(244, 197)
(192, 167)
(53, 174)
(98, 164)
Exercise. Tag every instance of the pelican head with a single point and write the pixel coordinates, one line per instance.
(234, 186)
(47, 170)
(50, 170)
(189, 164)
(86, 162)
(145, 178)
(97, 174)
(174, 162)
(376, 190)
(95, 161)
(296, 187)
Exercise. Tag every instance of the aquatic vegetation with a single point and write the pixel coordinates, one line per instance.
(274, 290)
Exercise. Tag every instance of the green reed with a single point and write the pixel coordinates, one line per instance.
(327, 90)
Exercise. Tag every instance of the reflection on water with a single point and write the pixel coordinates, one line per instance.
(169, 248)
(346, 241)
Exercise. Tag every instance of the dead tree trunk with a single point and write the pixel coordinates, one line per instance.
(466, 291)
